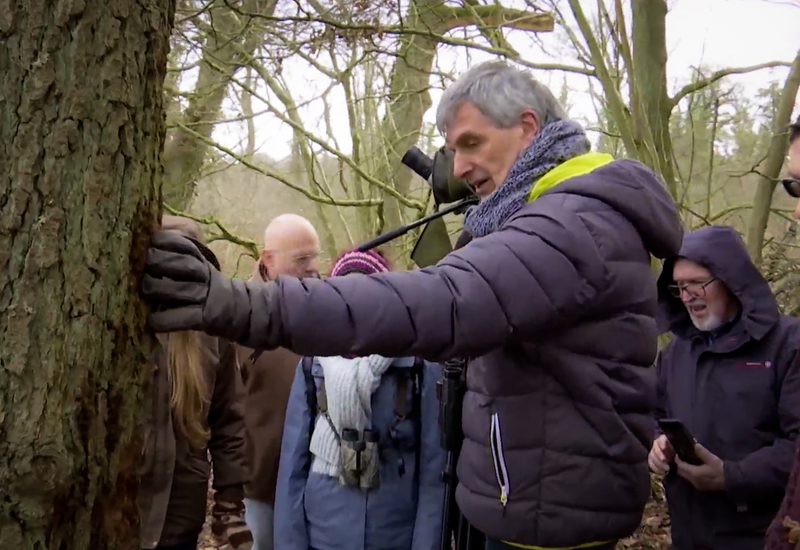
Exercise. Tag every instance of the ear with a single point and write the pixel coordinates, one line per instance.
(530, 125)
(266, 257)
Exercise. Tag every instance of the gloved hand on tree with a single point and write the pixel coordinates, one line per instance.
(188, 293)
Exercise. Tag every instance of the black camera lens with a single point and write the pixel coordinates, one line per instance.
(419, 162)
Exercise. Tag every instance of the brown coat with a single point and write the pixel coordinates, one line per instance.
(173, 476)
(268, 381)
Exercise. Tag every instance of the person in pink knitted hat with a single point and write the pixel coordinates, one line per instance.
(355, 261)
(360, 457)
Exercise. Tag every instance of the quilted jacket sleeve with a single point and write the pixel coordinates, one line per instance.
(537, 273)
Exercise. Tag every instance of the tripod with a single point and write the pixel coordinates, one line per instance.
(457, 533)
(457, 207)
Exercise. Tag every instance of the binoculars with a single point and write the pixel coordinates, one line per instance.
(359, 469)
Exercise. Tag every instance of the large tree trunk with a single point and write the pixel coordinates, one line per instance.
(651, 104)
(81, 130)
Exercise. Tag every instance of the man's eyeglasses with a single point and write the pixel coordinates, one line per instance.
(695, 290)
(304, 259)
(792, 187)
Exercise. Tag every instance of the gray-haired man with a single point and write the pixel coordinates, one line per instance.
(553, 302)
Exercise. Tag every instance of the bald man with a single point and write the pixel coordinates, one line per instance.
(291, 247)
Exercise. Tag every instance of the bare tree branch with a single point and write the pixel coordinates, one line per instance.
(773, 163)
(264, 74)
(722, 73)
(269, 173)
(224, 234)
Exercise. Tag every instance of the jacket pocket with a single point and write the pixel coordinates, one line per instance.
(499, 459)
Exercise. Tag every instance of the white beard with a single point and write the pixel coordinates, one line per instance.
(711, 322)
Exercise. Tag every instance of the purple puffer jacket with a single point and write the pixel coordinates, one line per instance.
(555, 311)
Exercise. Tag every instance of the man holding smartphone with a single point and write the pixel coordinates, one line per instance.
(728, 395)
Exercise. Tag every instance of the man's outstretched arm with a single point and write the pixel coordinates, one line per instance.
(533, 275)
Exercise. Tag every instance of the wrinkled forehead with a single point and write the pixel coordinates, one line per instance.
(687, 271)
(467, 123)
(298, 244)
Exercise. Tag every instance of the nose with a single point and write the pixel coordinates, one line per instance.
(797, 211)
(313, 266)
(461, 166)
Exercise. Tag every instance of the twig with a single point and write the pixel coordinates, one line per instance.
(250, 246)
(280, 178)
(718, 75)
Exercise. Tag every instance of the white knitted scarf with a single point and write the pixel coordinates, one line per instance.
(349, 385)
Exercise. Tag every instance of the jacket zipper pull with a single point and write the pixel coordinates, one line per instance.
(499, 459)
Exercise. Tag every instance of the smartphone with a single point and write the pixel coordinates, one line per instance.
(680, 439)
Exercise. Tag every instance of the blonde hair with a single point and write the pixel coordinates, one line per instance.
(189, 393)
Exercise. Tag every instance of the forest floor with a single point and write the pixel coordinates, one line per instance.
(206, 539)
(652, 534)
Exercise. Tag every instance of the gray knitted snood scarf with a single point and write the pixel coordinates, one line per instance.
(557, 142)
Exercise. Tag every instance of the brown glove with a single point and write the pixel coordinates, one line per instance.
(228, 525)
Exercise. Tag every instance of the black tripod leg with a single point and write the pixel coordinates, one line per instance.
(446, 540)
(475, 539)
(468, 537)
(450, 513)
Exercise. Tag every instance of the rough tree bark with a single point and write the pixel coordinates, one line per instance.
(81, 130)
